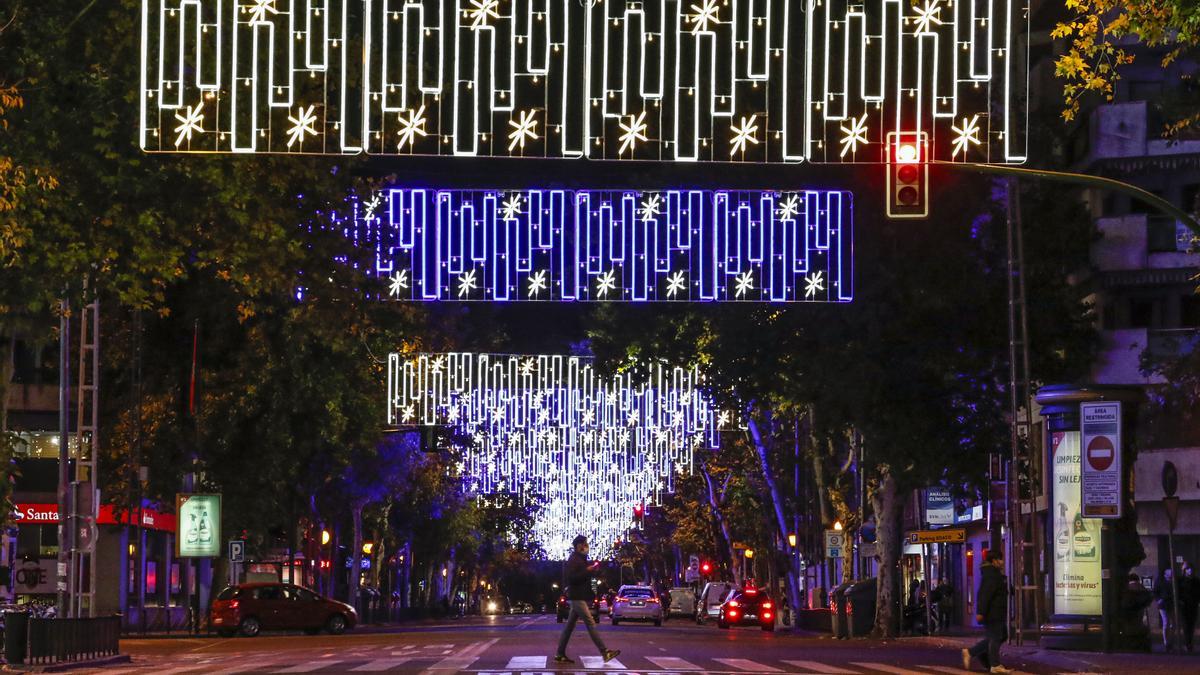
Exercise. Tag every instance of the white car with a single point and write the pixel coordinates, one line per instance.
(637, 603)
(708, 607)
(683, 602)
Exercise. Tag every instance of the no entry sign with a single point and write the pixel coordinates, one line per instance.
(1101, 466)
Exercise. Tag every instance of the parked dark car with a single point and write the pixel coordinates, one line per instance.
(747, 607)
(251, 608)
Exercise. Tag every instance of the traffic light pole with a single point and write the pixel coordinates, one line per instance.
(1134, 191)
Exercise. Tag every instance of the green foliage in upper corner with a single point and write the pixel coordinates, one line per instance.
(1097, 34)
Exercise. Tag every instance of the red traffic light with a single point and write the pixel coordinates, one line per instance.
(705, 567)
(907, 175)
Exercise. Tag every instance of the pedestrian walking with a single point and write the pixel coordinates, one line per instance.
(1164, 596)
(1189, 599)
(577, 582)
(944, 594)
(991, 610)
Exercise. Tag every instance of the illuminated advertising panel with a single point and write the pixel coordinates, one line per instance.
(1077, 578)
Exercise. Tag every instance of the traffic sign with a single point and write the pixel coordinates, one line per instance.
(835, 544)
(237, 551)
(1100, 482)
(954, 535)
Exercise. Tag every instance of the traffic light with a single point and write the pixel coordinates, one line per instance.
(705, 568)
(907, 174)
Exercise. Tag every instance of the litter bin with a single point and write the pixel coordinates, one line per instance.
(837, 611)
(16, 633)
(860, 607)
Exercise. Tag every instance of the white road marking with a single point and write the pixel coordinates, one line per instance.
(522, 662)
(379, 665)
(747, 664)
(672, 663)
(463, 659)
(818, 667)
(309, 667)
(597, 662)
(885, 668)
(944, 669)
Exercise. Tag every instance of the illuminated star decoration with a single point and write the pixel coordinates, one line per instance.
(258, 13)
(399, 281)
(635, 131)
(854, 134)
(605, 283)
(675, 283)
(705, 13)
(813, 283)
(537, 282)
(188, 122)
(511, 208)
(651, 206)
(928, 15)
(480, 11)
(743, 134)
(304, 123)
(369, 207)
(412, 127)
(966, 136)
(525, 127)
(789, 208)
(406, 414)
(466, 282)
(745, 282)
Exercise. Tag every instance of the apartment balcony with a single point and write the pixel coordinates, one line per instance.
(1142, 242)
(1120, 356)
(1130, 130)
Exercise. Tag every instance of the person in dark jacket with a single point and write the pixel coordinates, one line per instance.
(991, 610)
(1164, 594)
(1189, 604)
(577, 582)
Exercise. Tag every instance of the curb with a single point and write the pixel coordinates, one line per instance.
(71, 665)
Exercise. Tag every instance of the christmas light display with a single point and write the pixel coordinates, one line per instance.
(597, 245)
(551, 428)
(686, 80)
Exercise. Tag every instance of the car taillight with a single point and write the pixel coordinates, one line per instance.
(766, 615)
(621, 599)
(654, 600)
(233, 604)
(733, 613)
(733, 603)
(766, 605)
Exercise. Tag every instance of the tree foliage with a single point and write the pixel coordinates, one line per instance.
(1099, 33)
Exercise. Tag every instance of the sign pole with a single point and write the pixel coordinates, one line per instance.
(1170, 484)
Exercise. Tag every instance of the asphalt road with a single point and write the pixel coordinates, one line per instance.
(517, 645)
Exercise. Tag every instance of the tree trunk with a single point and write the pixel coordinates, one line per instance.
(889, 513)
(793, 576)
(714, 507)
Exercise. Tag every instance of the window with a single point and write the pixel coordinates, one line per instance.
(267, 593)
(303, 595)
(229, 593)
(1189, 311)
(1141, 312)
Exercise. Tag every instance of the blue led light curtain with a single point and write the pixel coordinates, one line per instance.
(610, 245)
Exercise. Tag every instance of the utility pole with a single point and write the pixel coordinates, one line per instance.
(64, 458)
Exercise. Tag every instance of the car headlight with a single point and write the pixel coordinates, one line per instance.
(491, 606)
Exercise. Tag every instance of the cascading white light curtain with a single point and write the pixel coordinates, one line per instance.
(551, 428)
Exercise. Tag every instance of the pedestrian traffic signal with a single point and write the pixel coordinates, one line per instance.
(907, 175)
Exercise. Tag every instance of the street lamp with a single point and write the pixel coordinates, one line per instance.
(792, 540)
(749, 553)
(325, 537)
(837, 525)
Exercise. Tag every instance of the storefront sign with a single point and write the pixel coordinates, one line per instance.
(949, 536)
(34, 576)
(1101, 483)
(939, 506)
(33, 514)
(199, 526)
(1077, 590)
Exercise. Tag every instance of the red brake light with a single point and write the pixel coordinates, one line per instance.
(622, 599)
(733, 603)
(654, 600)
(767, 604)
(766, 615)
(233, 604)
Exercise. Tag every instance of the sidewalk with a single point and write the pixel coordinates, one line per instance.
(1078, 662)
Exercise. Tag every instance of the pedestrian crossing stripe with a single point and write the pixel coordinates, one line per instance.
(379, 665)
(818, 667)
(748, 665)
(883, 667)
(598, 663)
(522, 662)
(672, 663)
